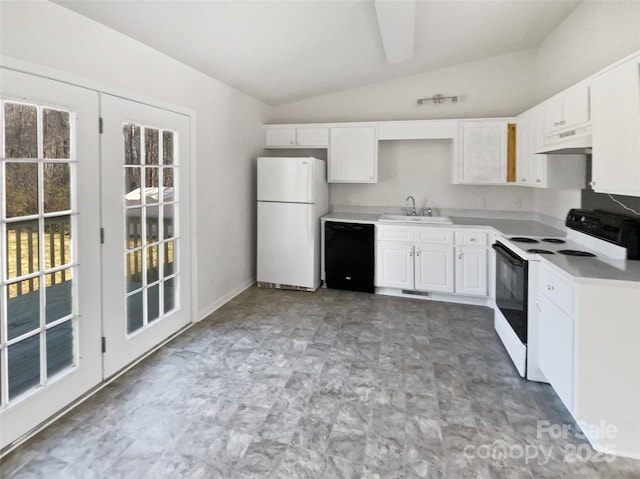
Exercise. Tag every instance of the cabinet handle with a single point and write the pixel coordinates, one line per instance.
(538, 305)
(418, 251)
(550, 288)
(524, 180)
(563, 122)
(411, 251)
(592, 184)
(538, 180)
(459, 254)
(556, 123)
(473, 240)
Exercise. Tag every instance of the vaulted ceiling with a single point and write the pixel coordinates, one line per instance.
(281, 51)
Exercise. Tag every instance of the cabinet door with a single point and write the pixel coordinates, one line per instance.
(483, 153)
(524, 148)
(552, 115)
(537, 163)
(555, 349)
(394, 265)
(276, 137)
(471, 271)
(575, 106)
(353, 154)
(434, 268)
(313, 136)
(616, 130)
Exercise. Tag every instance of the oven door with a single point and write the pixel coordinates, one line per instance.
(511, 289)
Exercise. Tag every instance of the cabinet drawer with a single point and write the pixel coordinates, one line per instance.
(557, 289)
(433, 235)
(394, 233)
(471, 238)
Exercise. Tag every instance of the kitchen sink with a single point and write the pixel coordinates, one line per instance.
(442, 220)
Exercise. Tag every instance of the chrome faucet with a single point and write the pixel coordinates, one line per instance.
(428, 211)
(413, 202)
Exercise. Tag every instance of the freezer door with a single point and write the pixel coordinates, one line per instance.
(285, 179)
(288, 245)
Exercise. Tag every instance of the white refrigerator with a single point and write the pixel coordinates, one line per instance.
(292, 196)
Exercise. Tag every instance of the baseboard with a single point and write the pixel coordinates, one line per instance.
(449, 298)
(203, 313)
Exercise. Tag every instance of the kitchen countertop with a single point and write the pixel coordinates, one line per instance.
(594, 270)
(510, 227)
(506, 227)
(368, 218)
(582, 270)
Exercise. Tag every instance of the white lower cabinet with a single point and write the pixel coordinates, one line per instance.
(556, 349)
(394, 265)
(420, 266)
(433, 268)
(428, 259)
(471, 271)
(588, 334)
(556, 333)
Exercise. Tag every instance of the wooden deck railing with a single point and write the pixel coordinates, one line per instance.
(23, 256)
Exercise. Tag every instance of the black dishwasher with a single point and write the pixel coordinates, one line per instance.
(349, 256)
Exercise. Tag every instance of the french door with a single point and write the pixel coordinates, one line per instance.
(94, 243)
(145, 212)
(50, 324)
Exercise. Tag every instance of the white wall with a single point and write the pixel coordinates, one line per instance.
(498, 86)
(595, 35)
(228, 134)
(422, 168)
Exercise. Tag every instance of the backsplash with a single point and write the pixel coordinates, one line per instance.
(599, 201)
(422, 168)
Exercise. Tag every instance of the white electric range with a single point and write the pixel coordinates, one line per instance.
(590, 234)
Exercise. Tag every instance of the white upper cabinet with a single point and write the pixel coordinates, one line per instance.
(296, 136)
(544, 171)
(312, 136)
(353, 153)
(482, 153)
(615, 100)
(568, 110)
(279, 137)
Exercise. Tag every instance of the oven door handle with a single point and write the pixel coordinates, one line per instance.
(508, 255)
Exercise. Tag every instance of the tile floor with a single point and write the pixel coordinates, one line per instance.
(281, 384)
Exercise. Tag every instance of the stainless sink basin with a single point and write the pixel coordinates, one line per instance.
(442, 220)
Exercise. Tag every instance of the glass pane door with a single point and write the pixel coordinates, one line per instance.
(146, 247)
(47, 332)
(150, 225)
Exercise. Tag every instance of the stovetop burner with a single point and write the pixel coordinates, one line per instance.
(521, 239)
(554, 240)
(539, 251)
(575, 252)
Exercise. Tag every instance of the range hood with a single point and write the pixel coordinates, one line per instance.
(570, 142)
